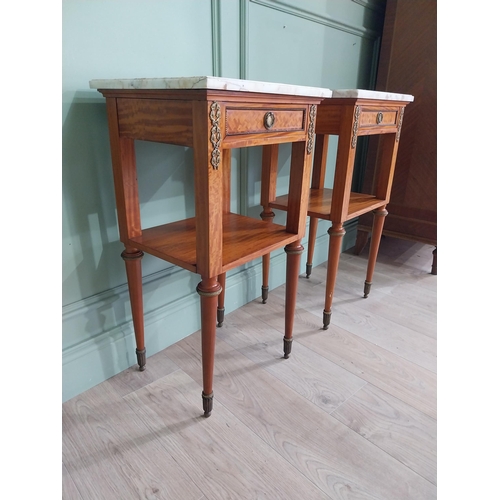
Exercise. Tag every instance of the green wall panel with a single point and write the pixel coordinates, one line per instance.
(285, 46)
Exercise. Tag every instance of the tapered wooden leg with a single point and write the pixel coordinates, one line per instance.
(132, 258)
(266, 264)
(293, 252)
(336, 233)
(378, 224)
(434, 269)
(266, 260)
(313, 227)
(220, 302)
(209, 290)
(268, 194)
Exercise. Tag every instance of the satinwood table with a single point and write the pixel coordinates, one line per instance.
(212, 116)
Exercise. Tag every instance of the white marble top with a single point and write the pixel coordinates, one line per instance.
(371, 94)
(210, 82)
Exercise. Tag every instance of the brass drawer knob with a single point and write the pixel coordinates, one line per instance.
(269, 120)
(380, 117)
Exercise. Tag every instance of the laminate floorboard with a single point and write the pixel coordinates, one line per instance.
(311, 375)
(396, 427)
(321, 448)
(69, 489)
(157, 366)
(396, 338)
(406, 340)
(384, 369)
(222, 454)
(351, 415)
(111, 453)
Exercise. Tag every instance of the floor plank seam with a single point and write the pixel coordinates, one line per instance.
(384, 451)
(434, 373)
(348, 399)
(375, 444)
(405, 358)
(124, 396)
(274, 450)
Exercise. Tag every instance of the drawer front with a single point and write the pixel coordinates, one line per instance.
(256, 121)
(378, 118)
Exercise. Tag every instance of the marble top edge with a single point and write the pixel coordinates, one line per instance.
(371, 94)
(210, 82)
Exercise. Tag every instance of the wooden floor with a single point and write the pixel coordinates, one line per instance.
(351, 414)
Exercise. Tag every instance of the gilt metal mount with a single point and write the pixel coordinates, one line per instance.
(310, 130)
(215, 134)
(355, 126)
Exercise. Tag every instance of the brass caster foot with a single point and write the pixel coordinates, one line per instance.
(308, 270)
(366, 291)
(208, 402)
(287, 347)
(141, 359)
(220, 316)
(326, 319)
(265, 293)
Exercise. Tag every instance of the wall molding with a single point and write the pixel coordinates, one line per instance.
(331, 22)
(308, 15)
(244, 34)
(99, 298)
(243, 152)
(377, 6)
(216, 39)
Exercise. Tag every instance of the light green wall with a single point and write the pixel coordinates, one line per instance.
(327, 43)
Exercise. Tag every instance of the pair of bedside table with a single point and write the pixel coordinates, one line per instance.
(213, 115)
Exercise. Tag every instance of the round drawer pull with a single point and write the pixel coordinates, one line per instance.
(380, 117)
(269, 120)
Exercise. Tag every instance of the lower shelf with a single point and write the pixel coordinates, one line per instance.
(244, 239)
(320, 204)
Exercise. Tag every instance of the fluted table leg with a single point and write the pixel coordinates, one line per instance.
(208, 289)
(266, 260)
(293, 252)
(378, 224)
(313, 227)
(220, 301)
(132, 258)
(336, 233)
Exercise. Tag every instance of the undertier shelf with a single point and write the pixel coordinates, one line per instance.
(244, 239)
(320, 203)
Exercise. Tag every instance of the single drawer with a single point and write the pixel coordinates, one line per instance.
(378, 118)
(255, 121)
